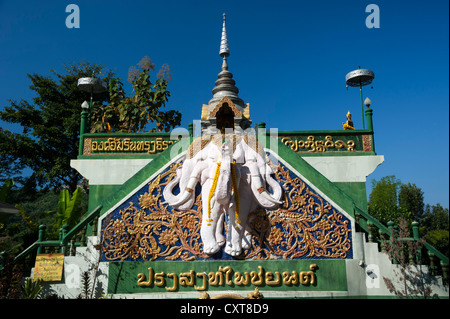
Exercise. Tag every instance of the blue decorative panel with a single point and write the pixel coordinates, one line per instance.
(306, 226)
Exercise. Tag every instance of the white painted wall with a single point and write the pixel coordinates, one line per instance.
(108, 171)
(345, 168)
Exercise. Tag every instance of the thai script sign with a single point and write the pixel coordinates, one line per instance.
(164, 277)
(48, 267)
(224, 275)
(328, 143)
(121, 145)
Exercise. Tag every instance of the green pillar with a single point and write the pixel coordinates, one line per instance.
(416, 236)
(82, 131)
(369, 113)
(191, 129)
(415, 229)
(362, 107)
(262, 126)
(41, 237)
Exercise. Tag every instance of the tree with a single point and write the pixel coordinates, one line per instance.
(136, 112)
(50, 126)
(435, 224)
(410, 201)
(383, 203)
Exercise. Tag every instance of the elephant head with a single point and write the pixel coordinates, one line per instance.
(257, 173)
(188, 175)
(251, 166)
(234, 179)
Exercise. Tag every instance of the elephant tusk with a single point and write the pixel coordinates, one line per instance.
(184, 198)
(256, 180)
(187, 193)
(267, 196)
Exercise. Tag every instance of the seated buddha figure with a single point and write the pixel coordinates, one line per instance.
(348, 125)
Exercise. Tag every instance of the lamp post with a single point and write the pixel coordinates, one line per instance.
(369, 113)
(360, 78)
(84, 113)
(92, 85)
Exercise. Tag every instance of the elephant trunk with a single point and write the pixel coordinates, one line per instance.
(262, 195)
(187, 193)
(223, 189)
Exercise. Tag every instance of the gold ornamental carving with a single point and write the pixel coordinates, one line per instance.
(305, 226)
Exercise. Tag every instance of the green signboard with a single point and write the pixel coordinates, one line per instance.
(275, 275)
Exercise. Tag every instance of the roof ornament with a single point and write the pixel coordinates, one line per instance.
(224, 47)
(225, 85)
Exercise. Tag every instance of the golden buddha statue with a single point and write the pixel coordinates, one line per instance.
(349, 124)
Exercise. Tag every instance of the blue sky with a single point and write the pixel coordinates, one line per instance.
(289, 60)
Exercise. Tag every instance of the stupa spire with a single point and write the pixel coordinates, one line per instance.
(224, 47)
(225, 85)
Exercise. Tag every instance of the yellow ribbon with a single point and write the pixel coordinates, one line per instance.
(236, 194)
(235, 190)
(211, 193)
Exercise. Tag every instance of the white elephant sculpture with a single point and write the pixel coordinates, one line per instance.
(233, 177)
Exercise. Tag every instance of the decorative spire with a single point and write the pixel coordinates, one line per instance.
(224, 48)
(225, 85)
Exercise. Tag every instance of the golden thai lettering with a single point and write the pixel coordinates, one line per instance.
(119, 145)
(175, 282)
(241, 279)
(290, 279)
(270, 278)
(187, 278)
(204, 276)
(257, 277)
(314, 146)
(142, 279)
(201, 280)
(216, 278)
(159, 279)
(228, 270)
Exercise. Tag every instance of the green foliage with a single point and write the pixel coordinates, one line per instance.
(31, 289)
(4, 194)
(392, 200)
(5, 190)
(50, 126)
(383, 203)
(135, 112)
(69, 208)
(85, 285)
(440, 240)
(22, 230)
(10, 279)
(435, 217)
(410, 200)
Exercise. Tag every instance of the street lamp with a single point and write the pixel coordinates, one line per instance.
(84, 113)
(360, 78)
(92, 85)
